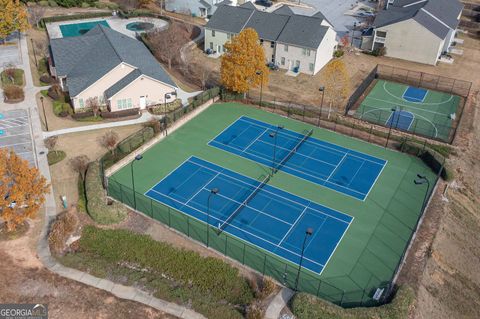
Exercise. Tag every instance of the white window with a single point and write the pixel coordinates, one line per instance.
(229, 36)
(119, 104)
(310, 67)
(101, 100)
(129, 103)
(80, 102)
(308, 52)
(285, 48)
(272, 44)
(211, 45)
(213, 33)
(282, 61)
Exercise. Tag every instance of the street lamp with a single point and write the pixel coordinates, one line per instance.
(137, 158)
(213, 191)
(420, 180)
(44, 115)
(321, 89)
(353, 33)
(261, 86)
(274, 136)
(308, 232)
(167, 96)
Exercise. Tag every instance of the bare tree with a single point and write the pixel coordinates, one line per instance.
(166, 44)
(51, 143)
(36, 14)
(41, 47)
(9, 71)
(204, 74)
(109, 141)
(80, 164)
(94, 104)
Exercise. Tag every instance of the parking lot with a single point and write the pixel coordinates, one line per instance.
(15, 134)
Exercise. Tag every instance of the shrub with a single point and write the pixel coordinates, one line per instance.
(55, 157)
(52, 3)
(97, 206)
(85, 5)
(210, 275)
(113, 6)
(43, 3)
(135, 140)
(100, 5)
(13, 93)
(255, 311)
(55, 93)
(338, 53)
(61, 109)
(64, 225)
(45, 78)
(42, 66)
(155, 125)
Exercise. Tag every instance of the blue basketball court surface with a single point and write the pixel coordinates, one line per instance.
(338, 168)
(413, 94)
(273, 219)
(401, 120)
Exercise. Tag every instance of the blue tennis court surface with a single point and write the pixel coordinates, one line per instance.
(401, 120)
(338, 168)
(273, 219)
(413, 94)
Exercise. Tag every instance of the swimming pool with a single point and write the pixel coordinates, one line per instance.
(76, 29)
(139, 26)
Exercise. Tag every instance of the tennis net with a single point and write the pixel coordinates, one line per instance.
(306, 135)
(244, 203)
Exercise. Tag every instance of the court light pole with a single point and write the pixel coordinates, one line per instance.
(420, 180)
(261, 86)
(321, 89)
(390, 127)
(137, 158)
(44, 115)
(308, 232)
(274, 136)
(165, 97)
(213, 191)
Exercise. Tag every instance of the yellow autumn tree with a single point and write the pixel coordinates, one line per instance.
(243, 63)
(13, 17)
(22, 189)
(336, 81)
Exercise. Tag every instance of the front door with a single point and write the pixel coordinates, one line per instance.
(143, 102)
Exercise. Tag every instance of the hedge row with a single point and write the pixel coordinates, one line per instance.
(141, 13)
(86, 15)
(117, 114)
(97, 206)
(305, 306)
(187, 268)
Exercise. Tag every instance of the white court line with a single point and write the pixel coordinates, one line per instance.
(201, 188)
(316, 233)
(231, 225)
(428, 103)
(354, 175)
(313, 140)
(299, 171)
(404, 106)
(338, 165)
(252, 208)
(292, 226)
(251, 143)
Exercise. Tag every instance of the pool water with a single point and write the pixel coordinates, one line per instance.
(76, 29)
(139, 26)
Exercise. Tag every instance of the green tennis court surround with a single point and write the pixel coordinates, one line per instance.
(368, 252)
(424, 112)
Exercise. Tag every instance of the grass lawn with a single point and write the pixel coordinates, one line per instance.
(18, 78)
(369, 252)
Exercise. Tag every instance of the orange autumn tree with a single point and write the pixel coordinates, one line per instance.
(22, 189)
(336, 81)
(13, 17)
(243, 63)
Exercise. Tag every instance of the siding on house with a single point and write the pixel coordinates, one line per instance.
(325, 50)
(403, 36)
(153, 90)
(295, 56)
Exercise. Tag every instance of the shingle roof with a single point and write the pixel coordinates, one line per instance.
(292, 29)
(303, 31)
(438, 16)
(229, 19)
(85, 59)
(268, 26)
(248, 5)
(284, 10)
(126, 80)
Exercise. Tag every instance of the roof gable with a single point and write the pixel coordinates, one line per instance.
(303, 31)
(229, 19)
(268, 26)
(284, 10)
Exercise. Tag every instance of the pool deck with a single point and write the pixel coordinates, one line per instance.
(114, 22)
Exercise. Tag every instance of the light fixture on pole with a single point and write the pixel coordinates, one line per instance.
(137, 158)
(213, 191)
(420, 180)
(261, 87)
(166, 97)
(321, 89)
(308, 232)
(274, 136)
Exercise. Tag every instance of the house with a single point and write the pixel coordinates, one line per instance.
(199, 8)
(415, 30)
(117, 70)
(294, 42)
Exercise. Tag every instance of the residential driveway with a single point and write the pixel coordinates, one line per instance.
(15, 133)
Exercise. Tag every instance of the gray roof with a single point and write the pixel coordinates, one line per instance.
(294, 29)
(303, 31)
(437, 16)
(229, 19)
(83, 60)
(126, 80)
(268, 26)
(248, 5)
(284, 10)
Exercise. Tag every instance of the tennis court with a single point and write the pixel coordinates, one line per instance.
(272, 219)
(338, 168)
(426, 112)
